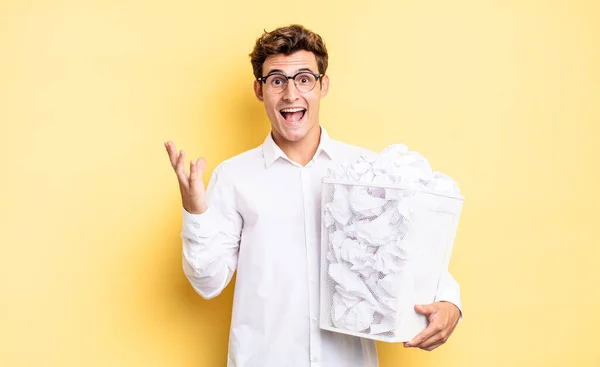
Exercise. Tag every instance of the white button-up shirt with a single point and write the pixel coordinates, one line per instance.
(264, 219)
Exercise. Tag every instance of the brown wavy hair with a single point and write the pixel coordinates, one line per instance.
(287, 40)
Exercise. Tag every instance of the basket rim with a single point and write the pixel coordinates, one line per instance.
(390, 186)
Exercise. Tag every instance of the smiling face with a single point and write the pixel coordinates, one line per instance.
(293, 114)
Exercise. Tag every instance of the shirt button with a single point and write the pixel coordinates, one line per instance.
(312, 281)
(314, 320)
(314, 359)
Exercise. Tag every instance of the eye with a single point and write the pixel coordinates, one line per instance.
(305, 79)
(277, 80)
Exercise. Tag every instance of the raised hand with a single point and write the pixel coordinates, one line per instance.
(193, 193)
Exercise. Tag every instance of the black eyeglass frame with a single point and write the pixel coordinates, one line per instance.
(318, 77)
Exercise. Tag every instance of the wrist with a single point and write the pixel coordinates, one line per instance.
(195, 209)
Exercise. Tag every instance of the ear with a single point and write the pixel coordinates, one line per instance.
(258, 90)
(324, 85)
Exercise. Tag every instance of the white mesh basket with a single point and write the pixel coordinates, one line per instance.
(383, 250)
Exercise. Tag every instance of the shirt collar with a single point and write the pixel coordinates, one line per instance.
(271, 151)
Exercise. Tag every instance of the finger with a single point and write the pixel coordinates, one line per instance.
(201, 165)
(170, 146)
(425, 309)
(429, 331)
(436, 339)
(197, 169)
(180, 168)
(192, 170)
(429, 349)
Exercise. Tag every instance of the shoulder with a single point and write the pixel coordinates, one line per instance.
(349, 152)
(246, 163)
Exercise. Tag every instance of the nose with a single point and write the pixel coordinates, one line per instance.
(291, 92)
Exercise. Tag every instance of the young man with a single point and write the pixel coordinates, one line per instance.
(261, 215)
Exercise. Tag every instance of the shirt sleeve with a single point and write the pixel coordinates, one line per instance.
(211, 239)
(449, 291)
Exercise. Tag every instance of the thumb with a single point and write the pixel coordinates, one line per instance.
(424, 309)
(201, 165)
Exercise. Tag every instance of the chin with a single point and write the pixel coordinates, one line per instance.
(295, 133)
(297, 137)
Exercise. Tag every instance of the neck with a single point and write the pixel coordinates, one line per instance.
(301, 151)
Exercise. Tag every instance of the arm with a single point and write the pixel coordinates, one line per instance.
(210, 236)
(211, 240)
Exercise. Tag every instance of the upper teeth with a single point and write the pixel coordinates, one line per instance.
(292, 109)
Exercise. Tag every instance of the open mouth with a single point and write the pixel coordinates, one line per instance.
(293, 114)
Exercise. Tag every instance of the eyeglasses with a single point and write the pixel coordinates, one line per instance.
(276, 82)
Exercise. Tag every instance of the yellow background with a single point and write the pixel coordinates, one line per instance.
(503, 96)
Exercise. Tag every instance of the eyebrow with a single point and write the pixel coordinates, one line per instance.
(281, 71)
